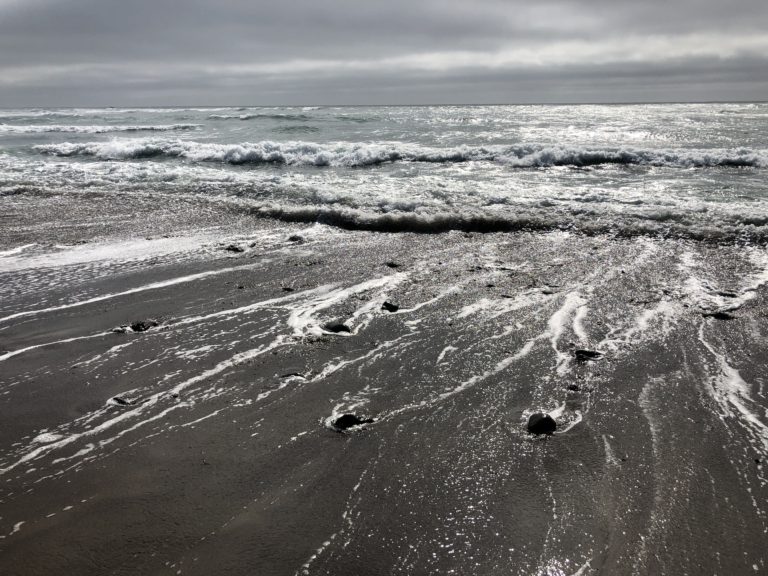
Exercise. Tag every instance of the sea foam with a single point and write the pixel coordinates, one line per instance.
(96, 129)
(299, 153)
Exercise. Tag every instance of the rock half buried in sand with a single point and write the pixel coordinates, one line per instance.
(234, 248)
(337, 327)
(296, 238)
(121, 401)
(347, 421)
(389, 307)
(719, 315)
(583, 355)
(541, 423)
(144, 325)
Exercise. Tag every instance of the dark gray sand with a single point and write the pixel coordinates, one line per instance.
(205, 444)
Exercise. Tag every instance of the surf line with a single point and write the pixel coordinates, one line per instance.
(144, 288)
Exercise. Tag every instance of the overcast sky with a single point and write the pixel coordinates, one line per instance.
(241, 52)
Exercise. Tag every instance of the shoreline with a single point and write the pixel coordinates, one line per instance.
(218, 456)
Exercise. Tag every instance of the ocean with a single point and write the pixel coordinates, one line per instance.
(344, 341)
(672, 170)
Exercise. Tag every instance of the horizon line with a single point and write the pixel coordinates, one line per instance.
(615, 103)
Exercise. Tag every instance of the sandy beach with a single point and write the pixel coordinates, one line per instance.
(203, 441)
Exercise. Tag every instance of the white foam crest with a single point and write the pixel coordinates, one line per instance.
(367, 154)
(94, 129)
(259, 116)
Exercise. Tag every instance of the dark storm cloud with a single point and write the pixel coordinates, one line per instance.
(236, 51)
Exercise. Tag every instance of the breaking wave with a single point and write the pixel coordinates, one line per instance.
(358, 154)
(99, 129)
(274, 116)
(627, 225)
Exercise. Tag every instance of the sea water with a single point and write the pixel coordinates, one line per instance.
(673, 170)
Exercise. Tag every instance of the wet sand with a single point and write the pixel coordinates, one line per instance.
(204, 444)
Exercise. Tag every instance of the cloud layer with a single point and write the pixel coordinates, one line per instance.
(92, 52)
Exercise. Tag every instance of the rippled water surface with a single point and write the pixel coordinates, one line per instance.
(690, 170)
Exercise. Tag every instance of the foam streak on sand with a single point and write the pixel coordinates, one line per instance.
(64, 341)
(730, 391)
(301, 320)
(557, 325)
(17, 250)
(621, 336)
(150, 402)
(437, 342)
(144, 288)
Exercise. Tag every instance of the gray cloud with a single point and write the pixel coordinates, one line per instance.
(101, 52)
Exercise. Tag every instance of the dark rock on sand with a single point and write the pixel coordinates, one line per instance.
(541, 423)
(234, 248)
(727, 294)
(719, 315)
(391, 264)
(294, 374)
(287, 289)
(389, 307)
(574, 387)
(337, 327)
(583, 355)
(346, 421)
(296, 238)
(144, 325)
(122, 401)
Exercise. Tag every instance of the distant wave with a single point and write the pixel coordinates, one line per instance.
(296, 129)
(357, 154)
(100, 112)
(100, 129)
(272, 116)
